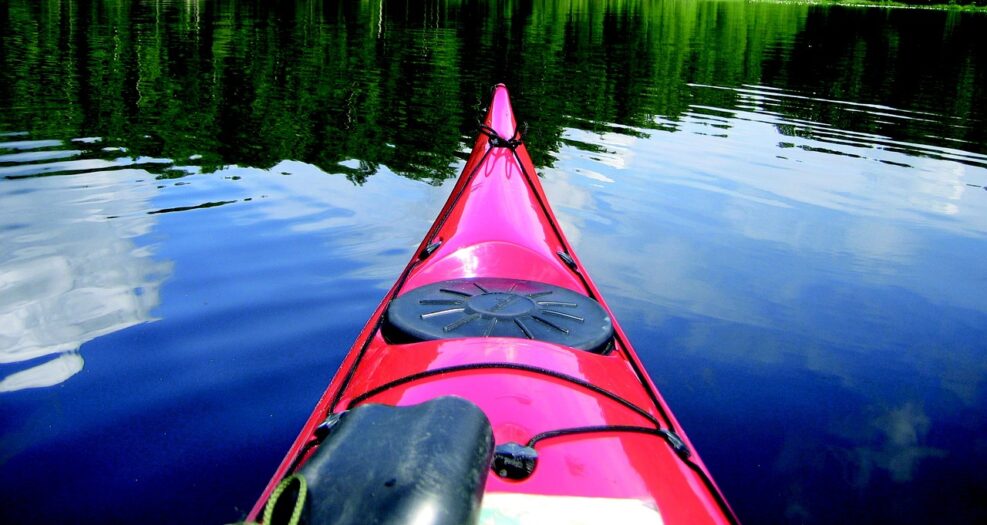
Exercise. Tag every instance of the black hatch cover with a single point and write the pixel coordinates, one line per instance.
(495, 307)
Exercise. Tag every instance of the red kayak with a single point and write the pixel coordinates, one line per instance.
(493, 384)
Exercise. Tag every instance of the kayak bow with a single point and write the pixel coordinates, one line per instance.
(495, 308)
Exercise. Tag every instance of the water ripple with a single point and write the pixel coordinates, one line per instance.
(848, 142)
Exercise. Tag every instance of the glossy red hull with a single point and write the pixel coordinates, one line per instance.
(497, 223)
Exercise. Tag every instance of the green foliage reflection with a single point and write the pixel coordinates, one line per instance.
(401, 83)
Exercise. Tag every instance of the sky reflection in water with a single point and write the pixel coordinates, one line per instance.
(68, 274)
(744, 261)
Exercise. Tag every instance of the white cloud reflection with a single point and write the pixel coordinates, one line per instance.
(896, 445)
(70, 271)
(49, 373)
(876, 207)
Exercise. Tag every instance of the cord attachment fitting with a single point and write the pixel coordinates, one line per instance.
(496, 141)
(514, 461)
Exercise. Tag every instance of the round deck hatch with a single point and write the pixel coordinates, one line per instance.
(494, 307)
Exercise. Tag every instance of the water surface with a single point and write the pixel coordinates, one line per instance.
(201, 203)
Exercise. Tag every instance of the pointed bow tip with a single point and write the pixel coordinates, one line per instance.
(501, 114)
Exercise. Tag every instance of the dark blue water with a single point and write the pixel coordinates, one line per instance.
(201, 203)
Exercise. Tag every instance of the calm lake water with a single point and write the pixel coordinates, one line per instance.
(201, 202)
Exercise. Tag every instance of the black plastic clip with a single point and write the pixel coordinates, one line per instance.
(514, 461)
(677, 444)
(428, 250)
(325, 428)
(568, 260)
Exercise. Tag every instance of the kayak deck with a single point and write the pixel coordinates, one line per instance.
(598, 424)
